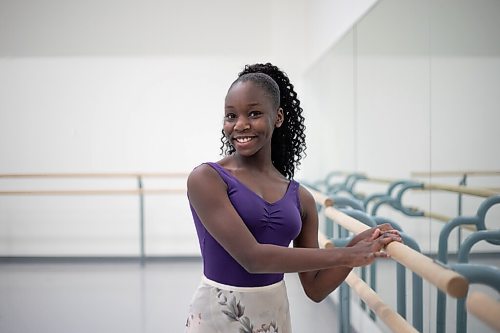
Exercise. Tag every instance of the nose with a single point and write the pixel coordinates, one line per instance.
(241, 124)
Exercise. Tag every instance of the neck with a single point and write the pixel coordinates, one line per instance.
(260, 162)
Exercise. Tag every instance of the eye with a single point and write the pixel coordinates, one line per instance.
(254, 114)
(229, 117)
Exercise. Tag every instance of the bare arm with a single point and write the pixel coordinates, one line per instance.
(317, 284)
(320, 283)
(208, 196)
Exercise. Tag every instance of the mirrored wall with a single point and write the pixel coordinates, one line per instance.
(412, 90)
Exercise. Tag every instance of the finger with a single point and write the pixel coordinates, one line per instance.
(385, 226)
(388, 239)
(376, 234)
(381, 254)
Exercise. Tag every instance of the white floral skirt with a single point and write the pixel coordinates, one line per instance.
(219, 308)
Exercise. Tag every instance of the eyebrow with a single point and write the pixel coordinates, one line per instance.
(249, 104)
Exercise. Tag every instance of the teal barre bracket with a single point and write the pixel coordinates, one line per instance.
(368, 220)
(479, 221)
(481, 274)
(344, 186)
(417, 288)
(486, 275)
(343, 202)
(389, 193)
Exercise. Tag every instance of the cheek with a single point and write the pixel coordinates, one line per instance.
(227, 128)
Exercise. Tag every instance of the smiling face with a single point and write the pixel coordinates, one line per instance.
(250, 118)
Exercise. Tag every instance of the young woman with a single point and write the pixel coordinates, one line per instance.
(247, 209)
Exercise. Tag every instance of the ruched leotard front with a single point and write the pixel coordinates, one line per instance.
(275, 223)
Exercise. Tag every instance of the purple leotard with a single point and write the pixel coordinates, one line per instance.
(271, 223)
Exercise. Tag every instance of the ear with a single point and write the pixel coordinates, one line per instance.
(280, 117)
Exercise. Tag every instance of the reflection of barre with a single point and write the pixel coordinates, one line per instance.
(94, 192)
(476, 191)
(391, 318)
(455, 173)
(479, 192)
(447, 280)
(444, 218)
(485, 308)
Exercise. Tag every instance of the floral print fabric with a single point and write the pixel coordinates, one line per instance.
(218, 308)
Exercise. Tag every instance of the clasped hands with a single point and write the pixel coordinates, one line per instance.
(369, 244)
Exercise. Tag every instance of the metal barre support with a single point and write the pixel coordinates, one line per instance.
(141, 220)
(447, 280)
(391, 318)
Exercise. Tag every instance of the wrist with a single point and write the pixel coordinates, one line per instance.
(342, 256)
(354, 240)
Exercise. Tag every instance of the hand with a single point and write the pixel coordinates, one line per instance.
(365, 251)
(368, 233)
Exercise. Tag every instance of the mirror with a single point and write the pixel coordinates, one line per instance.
(413, 87)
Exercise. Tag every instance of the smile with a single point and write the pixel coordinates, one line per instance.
(243, 139)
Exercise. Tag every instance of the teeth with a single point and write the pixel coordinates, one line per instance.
(243, 140)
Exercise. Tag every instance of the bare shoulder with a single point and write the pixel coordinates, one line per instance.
(204, 177)
(306, 201)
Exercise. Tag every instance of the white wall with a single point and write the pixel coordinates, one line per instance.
(328, 21)
(122, 86)
(136, 85)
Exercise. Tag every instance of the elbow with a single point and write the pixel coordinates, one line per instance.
(315, 296)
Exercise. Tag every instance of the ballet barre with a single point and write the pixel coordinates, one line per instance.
(391, 318)
(98, 175)
(485, 309)
(455, 173)
(474, 191)
(97, 192)
(446, 280)
(140, 191)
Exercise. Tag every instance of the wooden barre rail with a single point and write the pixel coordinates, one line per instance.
(391, 318)
(479, 192)
(475, 191)
(484, 308)
(454, 173)
(444, 218)
(98, 175)
(446, 280)
(95, 192)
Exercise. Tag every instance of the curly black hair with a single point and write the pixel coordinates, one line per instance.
(288, 143)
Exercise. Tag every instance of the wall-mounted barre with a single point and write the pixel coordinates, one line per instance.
(98, 175)
(140, 191)
(446, 280)
(454, 173)
(485, 308)
(391, 318)
(96, 192)
(475, 191)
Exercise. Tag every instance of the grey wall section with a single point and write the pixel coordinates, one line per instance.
(133, 28)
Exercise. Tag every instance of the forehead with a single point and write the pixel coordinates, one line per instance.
(247, 91)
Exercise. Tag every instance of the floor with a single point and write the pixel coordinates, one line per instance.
(110, 296)
(120, 297)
